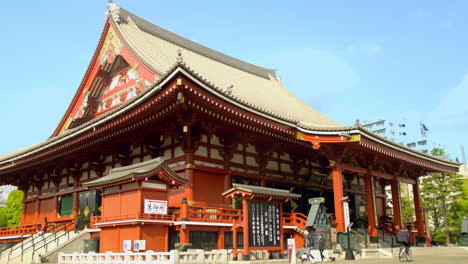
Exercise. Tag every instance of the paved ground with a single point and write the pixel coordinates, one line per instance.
(439, 259)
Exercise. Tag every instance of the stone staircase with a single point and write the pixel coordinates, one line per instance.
(364, 249)
(31, 249)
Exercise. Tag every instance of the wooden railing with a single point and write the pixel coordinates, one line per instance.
(213, 214)
(295, 219)
(19, 230)
(387, 226)
(96, 220)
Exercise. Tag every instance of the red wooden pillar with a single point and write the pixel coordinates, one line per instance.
(227, 186)
(419, 213)
(396, 204)
(373, 235)
(38, 209)
(184, 214)
(281, 227)
(245, 216)
(337, 196)
(189, 166)
(75, 204)
(234, 241)
(184, 234)
(221, 238)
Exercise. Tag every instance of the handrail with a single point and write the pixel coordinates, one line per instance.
(392, 237)
(366, 224)
(56, 239)
(29, 234)
(54, 227)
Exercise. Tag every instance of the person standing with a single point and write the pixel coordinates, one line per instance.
(77, 224)
(321, 246)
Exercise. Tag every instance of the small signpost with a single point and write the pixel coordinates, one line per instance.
(291, 251)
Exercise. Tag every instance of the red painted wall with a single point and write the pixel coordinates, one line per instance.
(156, 237)
(208, 188)
(30, 212)
(47, 209)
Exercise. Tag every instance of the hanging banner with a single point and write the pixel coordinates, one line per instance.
(346, 214)
(155, 207)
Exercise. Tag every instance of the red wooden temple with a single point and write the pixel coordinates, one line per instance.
(217, 121)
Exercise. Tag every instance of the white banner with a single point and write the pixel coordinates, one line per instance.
(346, 215)
(155, 207)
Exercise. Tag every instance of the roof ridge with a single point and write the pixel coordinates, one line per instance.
(193, 46)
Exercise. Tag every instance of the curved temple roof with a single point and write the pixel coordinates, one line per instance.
(160, 49)
(239, 82)
(143, 169)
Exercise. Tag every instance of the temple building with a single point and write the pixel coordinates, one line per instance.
(168, 141)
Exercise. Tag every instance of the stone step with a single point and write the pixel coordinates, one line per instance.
(40, 249)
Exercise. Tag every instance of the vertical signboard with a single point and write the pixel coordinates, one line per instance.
(346, 214)
(264, 225)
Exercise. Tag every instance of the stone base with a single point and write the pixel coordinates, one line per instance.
(373, 240)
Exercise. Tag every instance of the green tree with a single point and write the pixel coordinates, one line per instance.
(407, 206)
(14, 207)
(3, 217)
(440, 193)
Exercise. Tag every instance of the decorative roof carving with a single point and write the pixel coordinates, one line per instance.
(113, 10)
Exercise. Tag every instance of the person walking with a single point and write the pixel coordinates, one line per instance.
(321, 246)
(310, 246)
(403, 237)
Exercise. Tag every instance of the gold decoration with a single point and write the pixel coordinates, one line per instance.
(135, 66)
(189, 166)
(86, 211)
(355, 138)
(111, 38)
(299, 135)
(179, 81)
(66, 125)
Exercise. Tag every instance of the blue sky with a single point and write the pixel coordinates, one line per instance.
(348, 59)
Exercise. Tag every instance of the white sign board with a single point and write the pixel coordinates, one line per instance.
(139, 245)
(127, 245)
(346, 215)
(155, 207)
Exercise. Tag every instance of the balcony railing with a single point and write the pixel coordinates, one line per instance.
(295, 219)
(19, 230)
